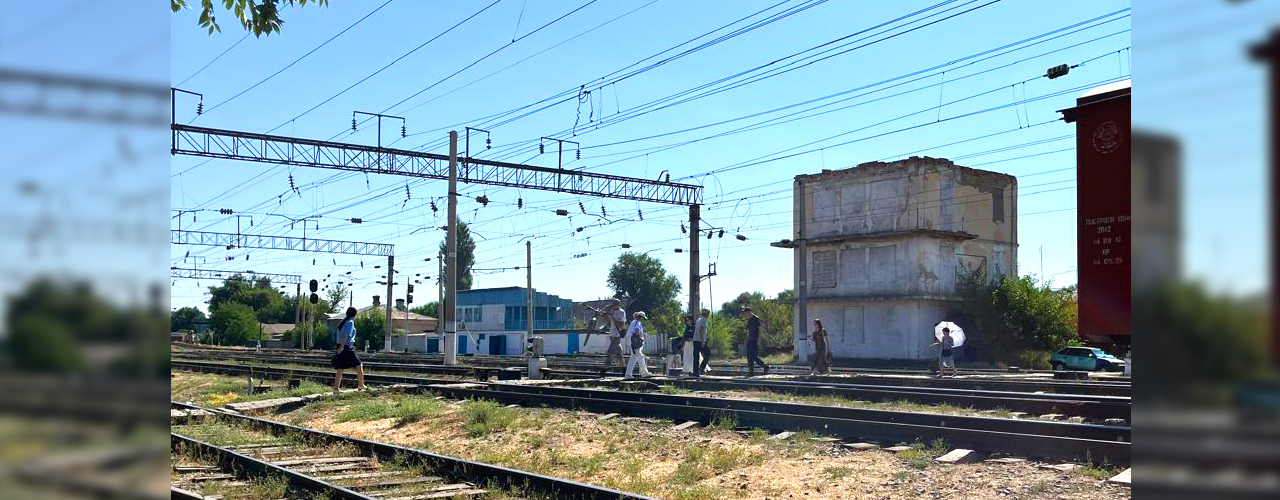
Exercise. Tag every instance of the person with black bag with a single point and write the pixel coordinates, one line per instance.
(636, 335)
(345, 357)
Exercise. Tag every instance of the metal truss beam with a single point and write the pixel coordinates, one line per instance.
(82, 98)
(233, 145)
(180, 237)
(215, 274)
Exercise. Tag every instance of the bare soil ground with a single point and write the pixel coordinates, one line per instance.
(648, 456)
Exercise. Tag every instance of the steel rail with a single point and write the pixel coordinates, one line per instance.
(482, 473)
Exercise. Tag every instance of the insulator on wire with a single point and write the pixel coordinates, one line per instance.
(562, 212)
(200, 107)
(709, 234)
(353, 124)
(519, 202)
(741, 238)
(683, 229)
(582, 207)
(434, 209)
(579, 154)
(679, 250)
(603, 213)
(579, 230)
(488, 143)
(403, 131)
(541, 149)
(721, 234)
(640, 213)
(626, 245)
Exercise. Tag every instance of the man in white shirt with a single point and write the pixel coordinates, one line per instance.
(635, 345)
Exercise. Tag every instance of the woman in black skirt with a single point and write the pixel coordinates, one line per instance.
(346, 354)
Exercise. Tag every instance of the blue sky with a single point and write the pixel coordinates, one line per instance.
(1040, 150)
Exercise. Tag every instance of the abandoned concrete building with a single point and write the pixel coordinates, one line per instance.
(879, 249)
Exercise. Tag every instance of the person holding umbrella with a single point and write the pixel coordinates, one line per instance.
(949, 336)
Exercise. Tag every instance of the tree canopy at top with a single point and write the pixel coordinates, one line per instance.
(260, 18)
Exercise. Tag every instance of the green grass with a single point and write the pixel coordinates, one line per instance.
(724, 420)
(922, 454)
(1040, 486)
(703, 461)
(406, 409)
(1100, 472)
(670, 389)
(485, 417)
(364, 411)
(837, 472)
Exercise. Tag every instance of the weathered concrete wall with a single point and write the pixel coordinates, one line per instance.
(885, 244)
(888, 328)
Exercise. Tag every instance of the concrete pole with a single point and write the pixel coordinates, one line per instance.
(297, 314)
(694, 277)
(449, 305)
(528, 256)
(391, 276)
(802, 278)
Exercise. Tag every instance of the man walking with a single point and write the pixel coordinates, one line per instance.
(701, 351)
(615, 318)
(753, 343)
(635, 338)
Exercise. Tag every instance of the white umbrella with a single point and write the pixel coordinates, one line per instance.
(957, 334)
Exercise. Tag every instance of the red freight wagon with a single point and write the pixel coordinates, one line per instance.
(1103, 212)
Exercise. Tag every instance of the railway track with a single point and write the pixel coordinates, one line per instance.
(1029, 438)
(1093, 407)
(217, 452)
(1120, 389)
(590, 361)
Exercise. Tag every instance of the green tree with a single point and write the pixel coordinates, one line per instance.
(268, 304)
(235, 323)
(1200, 344)
(1012, 316)
(183, 318)
(261, 17)
(43, 344)
(776, 330)
(720, 331)
(466, 257)
(371, 330)
(431, 309)
(651, 288)
(337, 295)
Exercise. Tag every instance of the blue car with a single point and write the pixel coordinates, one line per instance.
(1085, 358)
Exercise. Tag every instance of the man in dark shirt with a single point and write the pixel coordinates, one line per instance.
(753, 343)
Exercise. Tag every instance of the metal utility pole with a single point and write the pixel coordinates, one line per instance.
(391, 276)
(694, 278)
(451, 253)
(528, 257)
(440, 293)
